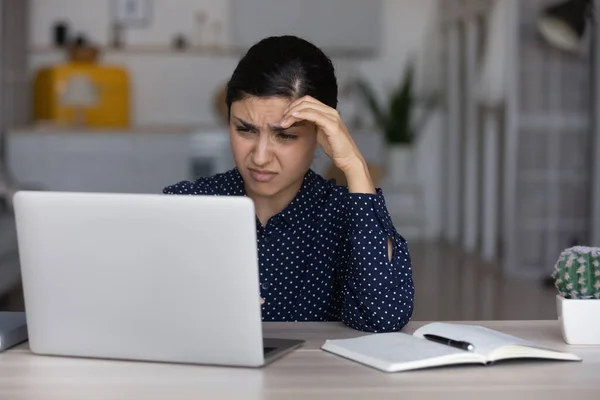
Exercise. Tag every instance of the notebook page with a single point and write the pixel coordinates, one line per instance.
(391, 348)
(485, 340)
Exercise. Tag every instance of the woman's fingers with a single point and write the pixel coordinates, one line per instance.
(308, 101)
(310, 114)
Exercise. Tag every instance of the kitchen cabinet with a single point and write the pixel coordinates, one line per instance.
(140, 160)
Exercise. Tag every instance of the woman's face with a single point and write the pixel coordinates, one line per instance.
(271, 160)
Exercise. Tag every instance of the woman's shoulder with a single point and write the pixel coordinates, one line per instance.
(225, 183)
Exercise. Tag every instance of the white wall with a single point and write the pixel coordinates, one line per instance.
(168, 18)
(178, 89)
(168, 88)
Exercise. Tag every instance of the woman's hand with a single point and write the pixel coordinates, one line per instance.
(334, 138)
(332, 134)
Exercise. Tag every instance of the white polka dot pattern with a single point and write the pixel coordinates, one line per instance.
(325, 256)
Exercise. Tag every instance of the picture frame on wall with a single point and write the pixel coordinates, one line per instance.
(131, 13)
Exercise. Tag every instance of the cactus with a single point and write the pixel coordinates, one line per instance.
(577, 273)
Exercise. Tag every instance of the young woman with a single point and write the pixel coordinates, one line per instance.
(326, 252)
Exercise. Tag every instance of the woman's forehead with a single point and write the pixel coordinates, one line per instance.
(260, 112)
(261, 105)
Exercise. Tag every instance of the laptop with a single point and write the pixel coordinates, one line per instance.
(143, 277)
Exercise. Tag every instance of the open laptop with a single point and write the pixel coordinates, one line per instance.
(143, 277)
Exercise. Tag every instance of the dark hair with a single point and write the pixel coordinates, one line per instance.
(284, 66)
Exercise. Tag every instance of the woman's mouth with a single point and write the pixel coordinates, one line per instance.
(262, 175)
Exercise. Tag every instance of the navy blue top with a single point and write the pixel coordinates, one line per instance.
(325, 256)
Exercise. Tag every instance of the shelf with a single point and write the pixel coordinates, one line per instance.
(46, 128)
(148, 50)
(193, 51)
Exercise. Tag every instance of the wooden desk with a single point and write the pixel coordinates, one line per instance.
(308, 373)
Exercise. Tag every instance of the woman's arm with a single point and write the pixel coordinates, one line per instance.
(376, 272)
(377, 294)
(359, 181)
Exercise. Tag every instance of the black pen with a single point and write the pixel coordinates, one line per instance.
(459, 344)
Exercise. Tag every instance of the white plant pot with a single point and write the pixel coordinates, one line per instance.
(579, 320)
(399, 163)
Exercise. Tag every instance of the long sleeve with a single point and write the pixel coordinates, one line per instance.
(377, 293)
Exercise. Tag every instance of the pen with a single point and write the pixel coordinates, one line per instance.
(459, 344)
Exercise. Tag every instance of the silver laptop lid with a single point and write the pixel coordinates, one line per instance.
(146, 277)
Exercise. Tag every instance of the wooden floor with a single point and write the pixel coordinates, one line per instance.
(449, 285)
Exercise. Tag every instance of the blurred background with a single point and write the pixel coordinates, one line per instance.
(490, 177)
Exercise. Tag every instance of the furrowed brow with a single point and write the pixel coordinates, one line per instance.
(277, 128)
(245, 124)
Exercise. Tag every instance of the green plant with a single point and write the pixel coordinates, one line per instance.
(577, 273)
(395, 119)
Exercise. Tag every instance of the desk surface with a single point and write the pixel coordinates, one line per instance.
(306, 373)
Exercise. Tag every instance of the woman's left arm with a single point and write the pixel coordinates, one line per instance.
(376, 278)
(377, 286)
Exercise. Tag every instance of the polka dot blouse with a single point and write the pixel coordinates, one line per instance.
(325, 256)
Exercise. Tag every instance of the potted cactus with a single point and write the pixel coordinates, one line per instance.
(577, 277)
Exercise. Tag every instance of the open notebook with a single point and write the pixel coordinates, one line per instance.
(397, 351)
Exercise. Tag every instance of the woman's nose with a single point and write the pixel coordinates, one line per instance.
(262, 153)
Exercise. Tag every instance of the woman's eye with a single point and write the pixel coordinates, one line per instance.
(243, 129)
(287, 136)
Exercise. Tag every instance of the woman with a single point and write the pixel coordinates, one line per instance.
(326, 252)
